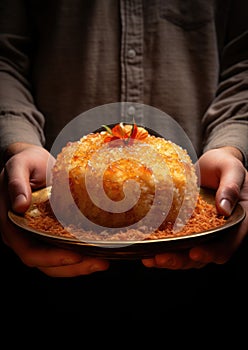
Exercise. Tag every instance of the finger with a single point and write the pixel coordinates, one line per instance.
(17, 177)
(148, 262)
(218, 251)
(231, 182)
(173, 261)
(49, 258)
(86, 267)
(207, 256)
(34, 253)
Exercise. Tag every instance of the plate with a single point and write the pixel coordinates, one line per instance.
(123, 249)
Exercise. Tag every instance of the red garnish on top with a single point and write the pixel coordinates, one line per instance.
(126, 133)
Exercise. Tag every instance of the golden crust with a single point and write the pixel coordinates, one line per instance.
(92, 154)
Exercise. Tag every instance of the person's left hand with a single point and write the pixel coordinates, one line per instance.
(220, 169)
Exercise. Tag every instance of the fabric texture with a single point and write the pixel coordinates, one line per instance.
(61, 58)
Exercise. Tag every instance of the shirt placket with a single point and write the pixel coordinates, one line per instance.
(132, 72)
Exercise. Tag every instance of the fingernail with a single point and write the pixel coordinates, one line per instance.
(226, 206)
(95, 267)
(19, 201)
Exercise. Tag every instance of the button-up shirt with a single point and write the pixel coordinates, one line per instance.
(188, 59)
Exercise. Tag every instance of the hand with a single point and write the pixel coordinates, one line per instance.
(220, 169)
(25, 171)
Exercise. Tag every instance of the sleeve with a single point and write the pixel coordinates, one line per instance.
(226, 120)
(20, 121)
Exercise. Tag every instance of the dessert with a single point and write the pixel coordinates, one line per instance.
(123, 177)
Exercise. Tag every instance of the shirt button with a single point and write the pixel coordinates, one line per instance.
(131, 53)
(131, 110)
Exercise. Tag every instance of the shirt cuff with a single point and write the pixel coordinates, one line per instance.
(14, 129)
(230, 135)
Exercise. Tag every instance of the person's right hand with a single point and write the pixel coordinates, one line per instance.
(25, 171)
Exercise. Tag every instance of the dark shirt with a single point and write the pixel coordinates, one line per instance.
(186, 58)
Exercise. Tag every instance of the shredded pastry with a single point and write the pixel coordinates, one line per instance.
(204, 217)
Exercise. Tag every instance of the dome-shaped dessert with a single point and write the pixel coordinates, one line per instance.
(123, 176)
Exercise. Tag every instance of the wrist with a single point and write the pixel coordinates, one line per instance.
(234, 152)
(15, 148)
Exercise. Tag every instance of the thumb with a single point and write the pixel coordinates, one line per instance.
(19, 190)
(231, 182)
